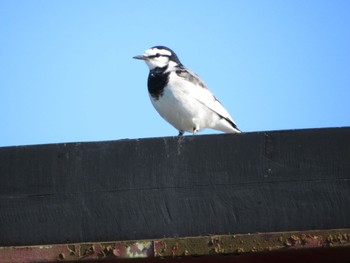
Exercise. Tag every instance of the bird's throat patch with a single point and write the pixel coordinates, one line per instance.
(157, 80)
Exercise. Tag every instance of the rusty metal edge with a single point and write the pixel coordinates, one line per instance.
(178, 247)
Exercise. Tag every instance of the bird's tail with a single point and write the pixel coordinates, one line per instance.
(226, 125)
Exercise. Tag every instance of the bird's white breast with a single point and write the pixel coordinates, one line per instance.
(179, 106)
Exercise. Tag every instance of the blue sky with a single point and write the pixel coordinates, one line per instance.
(67, 73)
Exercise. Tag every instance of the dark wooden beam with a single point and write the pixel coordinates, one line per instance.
(175, 187)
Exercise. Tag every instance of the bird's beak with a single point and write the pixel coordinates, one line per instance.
(142, 57)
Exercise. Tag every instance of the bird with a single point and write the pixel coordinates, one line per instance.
(181, 97)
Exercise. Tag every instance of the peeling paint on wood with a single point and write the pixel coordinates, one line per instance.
(185, 247)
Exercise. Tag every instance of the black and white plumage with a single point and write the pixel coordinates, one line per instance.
(181, 97)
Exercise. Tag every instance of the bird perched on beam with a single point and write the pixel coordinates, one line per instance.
(181, 97)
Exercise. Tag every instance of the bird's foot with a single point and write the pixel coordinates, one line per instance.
(180, 133)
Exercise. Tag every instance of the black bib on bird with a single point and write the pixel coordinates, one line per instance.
(157, 80)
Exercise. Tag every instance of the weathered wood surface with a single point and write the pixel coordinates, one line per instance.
(321, 246)
(175, 187)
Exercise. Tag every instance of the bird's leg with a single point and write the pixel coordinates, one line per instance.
(180, 133)
(195, 130)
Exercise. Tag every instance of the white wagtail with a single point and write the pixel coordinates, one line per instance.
(181, 97)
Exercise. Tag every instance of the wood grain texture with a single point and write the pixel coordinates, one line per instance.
(168, 187)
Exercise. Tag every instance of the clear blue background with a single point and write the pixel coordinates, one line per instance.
(67, 73)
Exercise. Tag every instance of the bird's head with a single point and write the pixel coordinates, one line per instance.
(159, 57)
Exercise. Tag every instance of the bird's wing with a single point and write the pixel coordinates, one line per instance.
(201, 93)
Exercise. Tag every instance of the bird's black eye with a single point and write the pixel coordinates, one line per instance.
(157, 55)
